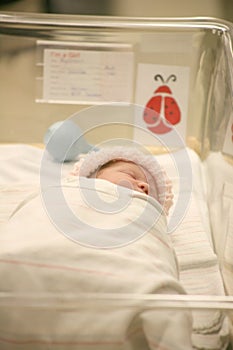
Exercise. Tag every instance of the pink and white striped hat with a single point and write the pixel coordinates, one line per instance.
(160, 186)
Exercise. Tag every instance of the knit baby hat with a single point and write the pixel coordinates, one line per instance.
(160, 186)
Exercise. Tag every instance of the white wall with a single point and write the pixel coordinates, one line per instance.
(139, 8)
(169, 8)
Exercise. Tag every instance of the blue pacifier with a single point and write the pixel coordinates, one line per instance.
(64, 141)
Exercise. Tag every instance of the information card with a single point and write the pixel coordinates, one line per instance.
(87, 76)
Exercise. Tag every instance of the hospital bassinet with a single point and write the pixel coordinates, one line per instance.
(102, 71)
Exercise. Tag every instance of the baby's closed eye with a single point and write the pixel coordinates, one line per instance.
(131, 174)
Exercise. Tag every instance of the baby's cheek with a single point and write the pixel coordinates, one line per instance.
(126, 183)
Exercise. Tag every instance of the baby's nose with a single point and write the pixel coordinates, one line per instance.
(143, 186)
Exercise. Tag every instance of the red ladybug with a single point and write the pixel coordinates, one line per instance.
(162, 110)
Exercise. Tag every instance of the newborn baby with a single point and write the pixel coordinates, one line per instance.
(131, 168)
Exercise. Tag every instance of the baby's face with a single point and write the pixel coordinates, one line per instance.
(126, 174)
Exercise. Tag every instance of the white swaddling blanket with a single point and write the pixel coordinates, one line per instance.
(35, 257)
(198, 264)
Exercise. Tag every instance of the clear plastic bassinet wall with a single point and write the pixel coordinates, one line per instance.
(104, 73)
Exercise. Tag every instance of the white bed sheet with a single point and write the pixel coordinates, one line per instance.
(220, 203)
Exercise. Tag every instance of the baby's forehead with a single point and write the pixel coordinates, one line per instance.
(127, 164)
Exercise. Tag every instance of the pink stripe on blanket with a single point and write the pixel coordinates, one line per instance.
(59, 343)
(56, 267)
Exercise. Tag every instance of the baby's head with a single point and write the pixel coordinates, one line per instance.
(128, 167)
(126, 174)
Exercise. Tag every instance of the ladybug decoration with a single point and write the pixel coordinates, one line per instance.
(162, 110)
